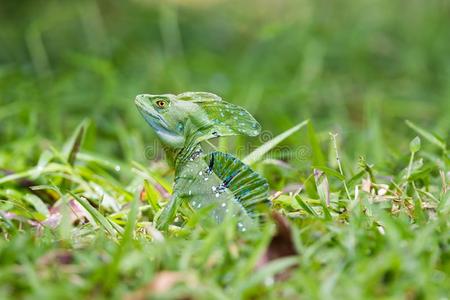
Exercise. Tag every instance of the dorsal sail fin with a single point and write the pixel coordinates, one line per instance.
(249, 189)
(218, 118)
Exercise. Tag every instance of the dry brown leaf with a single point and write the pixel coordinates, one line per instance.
(162, 283)
(280, 246)
(59, 256)
(366, 185)
(76, 213)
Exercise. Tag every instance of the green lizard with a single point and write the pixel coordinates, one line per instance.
(216, 180)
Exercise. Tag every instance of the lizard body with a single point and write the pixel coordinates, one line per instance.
(217, 180)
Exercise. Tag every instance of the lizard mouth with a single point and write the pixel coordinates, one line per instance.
(141, 104)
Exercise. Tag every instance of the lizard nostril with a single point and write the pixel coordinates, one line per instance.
(140, 97)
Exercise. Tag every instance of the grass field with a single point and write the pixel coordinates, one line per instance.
(360, 192)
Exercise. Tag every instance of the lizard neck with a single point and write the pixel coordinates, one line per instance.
(188, 153)
(177, 157)
(171, 154)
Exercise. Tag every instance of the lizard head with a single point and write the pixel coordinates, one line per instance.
(162, 114)
(194, 117)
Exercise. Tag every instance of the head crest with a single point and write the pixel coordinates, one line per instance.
(217, 118)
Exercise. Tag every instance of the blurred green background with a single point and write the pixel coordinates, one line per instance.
(358, 68)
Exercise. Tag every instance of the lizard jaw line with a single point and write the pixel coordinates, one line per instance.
(146, 112)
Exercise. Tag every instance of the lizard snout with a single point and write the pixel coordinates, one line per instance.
(140, 99)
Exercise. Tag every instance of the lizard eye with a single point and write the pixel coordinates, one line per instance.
(161, 103)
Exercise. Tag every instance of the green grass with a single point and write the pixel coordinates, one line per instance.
(82, 178)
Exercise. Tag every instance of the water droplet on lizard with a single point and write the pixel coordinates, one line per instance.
(241, 227)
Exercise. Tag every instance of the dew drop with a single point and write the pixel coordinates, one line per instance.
(241, 227)
(205, 173)
(117, 168)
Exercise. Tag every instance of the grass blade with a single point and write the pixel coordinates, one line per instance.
(306, 206)
(269, 270)
(427, 135)
(127, 237)
(318, 157)
(330, 172)
(72, 146)
(96, 215)
(259, 153)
